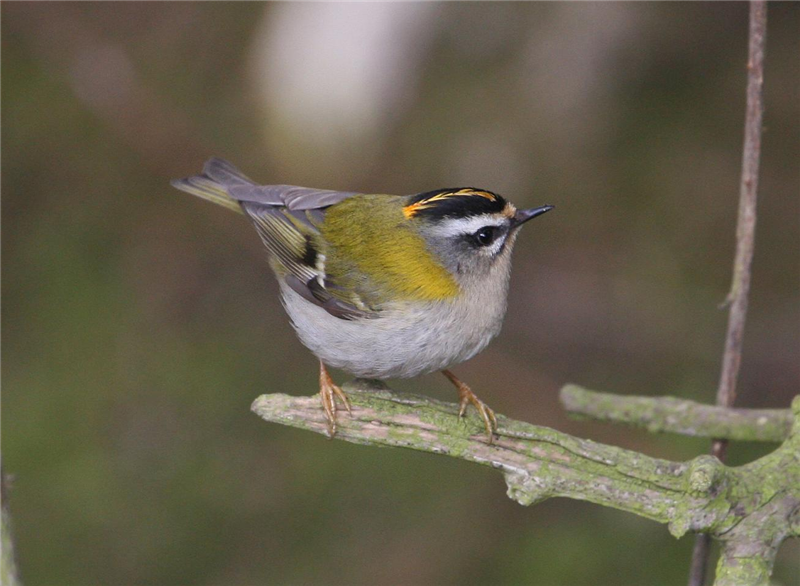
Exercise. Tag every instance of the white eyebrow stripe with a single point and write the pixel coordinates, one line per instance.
(457, 226)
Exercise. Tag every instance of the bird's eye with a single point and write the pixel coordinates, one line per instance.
(484, 236)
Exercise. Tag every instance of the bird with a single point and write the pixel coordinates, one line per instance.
(381, 286)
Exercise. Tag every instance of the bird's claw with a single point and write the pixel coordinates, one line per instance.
(467, 397)
(328, 391)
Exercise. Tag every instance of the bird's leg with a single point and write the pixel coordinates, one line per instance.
(466, 397)
(328, 391)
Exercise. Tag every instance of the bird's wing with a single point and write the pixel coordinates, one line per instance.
(289, 196)
(288, 219)
(294, 240)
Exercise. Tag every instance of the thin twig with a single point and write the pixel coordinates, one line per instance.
(745, 238)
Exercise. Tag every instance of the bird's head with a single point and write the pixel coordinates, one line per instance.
(471, 231)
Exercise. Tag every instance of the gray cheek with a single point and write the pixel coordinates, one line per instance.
(464, 260)
(452, 254)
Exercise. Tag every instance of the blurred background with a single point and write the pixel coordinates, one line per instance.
(139, 323)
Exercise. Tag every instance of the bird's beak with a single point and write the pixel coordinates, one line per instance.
(523, 216)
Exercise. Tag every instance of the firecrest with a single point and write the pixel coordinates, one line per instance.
(382, 286)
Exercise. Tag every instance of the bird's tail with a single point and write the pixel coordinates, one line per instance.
(218, 175)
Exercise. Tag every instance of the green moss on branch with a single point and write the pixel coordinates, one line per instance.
(750, 509)
(660, 414)
(539, 463)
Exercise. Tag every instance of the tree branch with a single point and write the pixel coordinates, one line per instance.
(668, 414)
(539, 463)
(746, 226)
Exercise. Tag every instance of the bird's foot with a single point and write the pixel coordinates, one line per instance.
(328, 391)
(467, 397)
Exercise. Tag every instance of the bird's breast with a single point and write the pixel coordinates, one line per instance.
(406, 339)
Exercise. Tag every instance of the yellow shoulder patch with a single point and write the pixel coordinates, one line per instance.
(392, 261)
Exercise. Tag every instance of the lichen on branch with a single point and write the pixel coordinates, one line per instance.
(701, 495)
(668, 414)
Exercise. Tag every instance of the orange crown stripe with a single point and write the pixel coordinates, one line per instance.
(411, 210)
